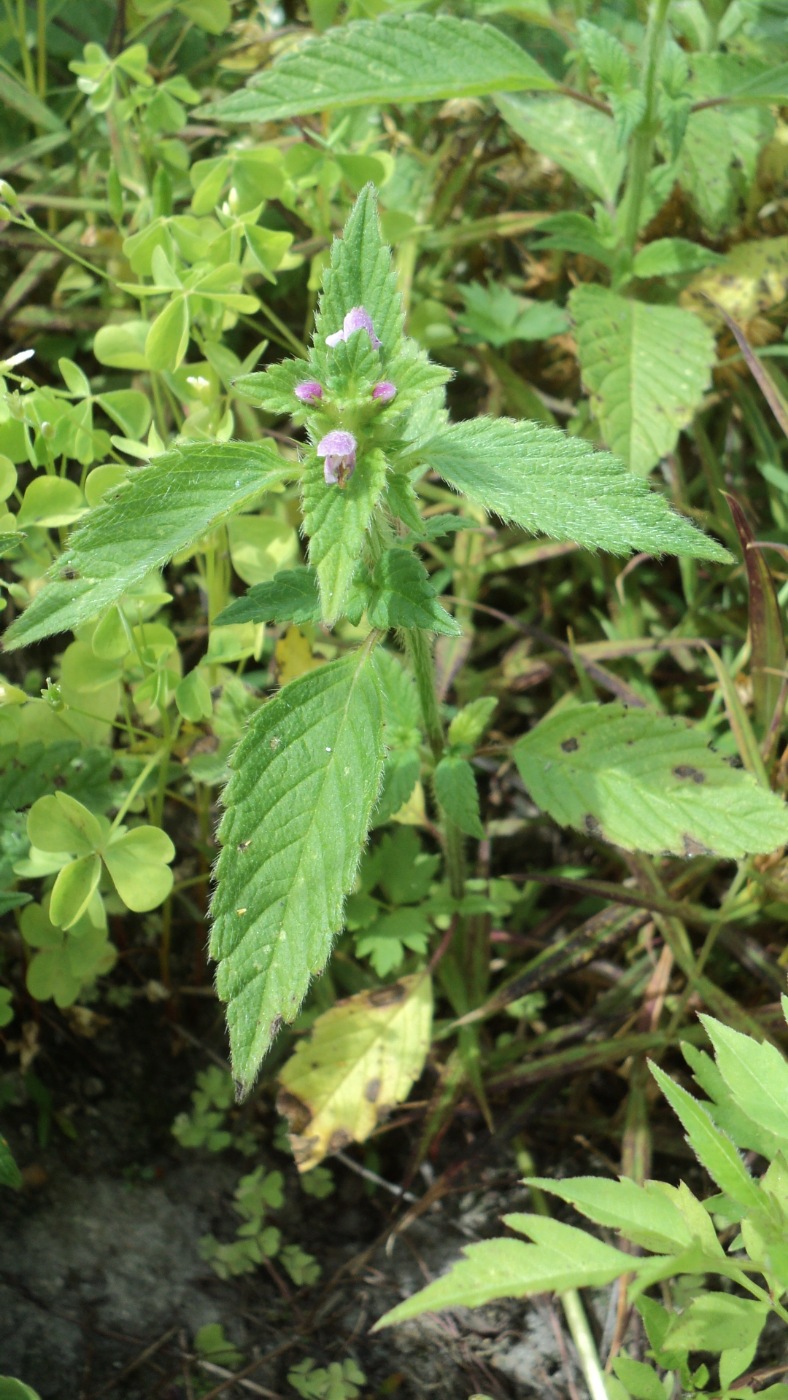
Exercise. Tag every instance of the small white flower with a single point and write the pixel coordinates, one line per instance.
(17, 359)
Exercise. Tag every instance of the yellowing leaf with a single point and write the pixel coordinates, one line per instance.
(413, 812)
(361, 1058)
(751, 280)
(294, 656)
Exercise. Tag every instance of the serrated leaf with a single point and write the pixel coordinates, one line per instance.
(291, 596)
(305, 778)
(756, 1074)
(645, 367)
(646, 782)
(360, 1059)
(273, 389)
(583, 142)
(470, 723)
(562, 1258)
(401, 595)
(161, 509)
(642, 1215)
(718, 155)
(360, 274)
(395, 58)
(336, 520)
(455, 789)
(552, 484)
(712, 1147)
(605, 53)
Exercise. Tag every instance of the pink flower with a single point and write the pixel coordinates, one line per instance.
(339, 450)
(385, 391)
(356, 320)
(309, 392)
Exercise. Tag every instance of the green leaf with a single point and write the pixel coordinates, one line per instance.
(10, 1175)
(360, 274)
(556, 485)
(58, 822)
(455, 789)
(396, 58)
(138, 863)
(273, 389)
(716, 1321)
(716, 145)
(671, 257)
(562, 1258)
(51, 501)
(642, 1214)
(291, 596)
(402, 596)
(11, 1389)
(305, 778)
(73, 890)
(712, 1147)
(756, 1074)
(498, 316)
(168, 338)
(160, 510)
(471, 722)
(641, 1381)
(583, 142)
(193, 697)
(645, 367)
(648, 783)
(574, 233)
(336, 520)
(20, 99)
(768, 87)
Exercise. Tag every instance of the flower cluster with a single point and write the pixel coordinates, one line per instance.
(338, 448)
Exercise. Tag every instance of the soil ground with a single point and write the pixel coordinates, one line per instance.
(102, 1286)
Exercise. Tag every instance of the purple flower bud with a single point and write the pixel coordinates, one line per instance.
(339, 450)
(385, 391)
(356, 320)
(309, 392)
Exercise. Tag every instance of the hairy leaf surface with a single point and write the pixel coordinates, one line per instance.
(360, 274)
(557, 485)
(290, 596)
(402, 596)
(396, 58)
(336, 520)
(648, 783)
(161, 509)
(304, 781)
(712, 1147)
(646, 368)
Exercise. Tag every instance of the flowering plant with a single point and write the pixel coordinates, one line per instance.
(320, 759)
